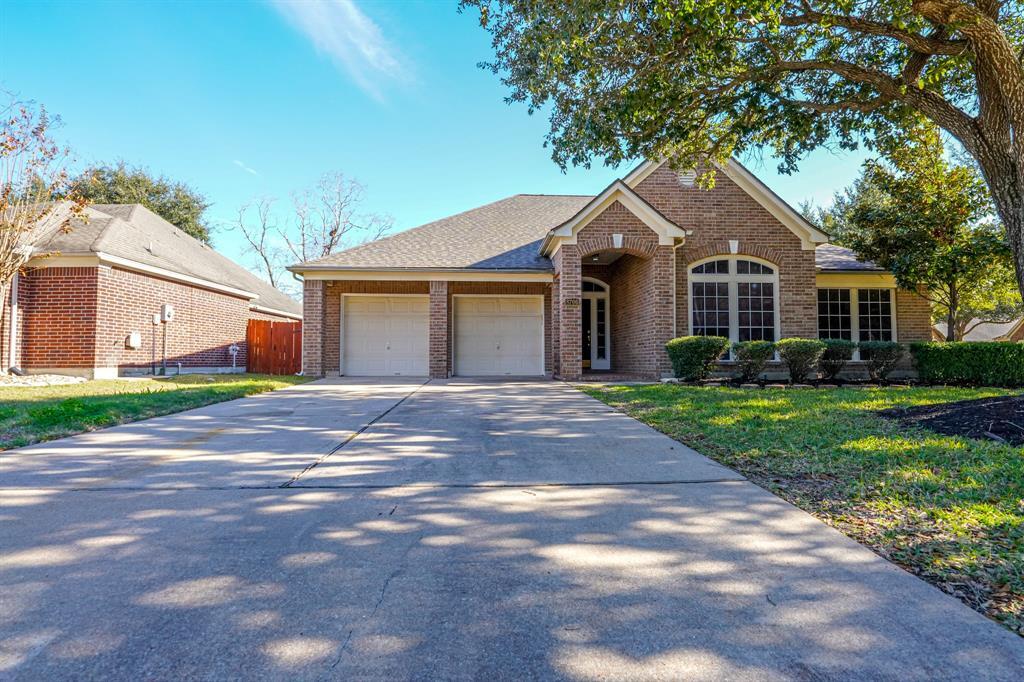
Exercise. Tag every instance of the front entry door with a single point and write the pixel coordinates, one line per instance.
(595, 342)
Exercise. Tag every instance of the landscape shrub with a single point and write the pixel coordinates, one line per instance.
(837, 353)
(801, 356)
(751, 358)
(693, 357)
(880, 357)
(970, 363)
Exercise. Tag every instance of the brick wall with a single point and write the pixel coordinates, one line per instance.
(58, 312)
(725, 213)
(206, 323)
(913, 317)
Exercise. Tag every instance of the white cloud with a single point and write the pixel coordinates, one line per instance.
(247, 169)
(340, 30)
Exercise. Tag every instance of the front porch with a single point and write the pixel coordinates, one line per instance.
(615, 317)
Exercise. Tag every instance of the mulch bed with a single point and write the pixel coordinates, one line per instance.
(999, 419)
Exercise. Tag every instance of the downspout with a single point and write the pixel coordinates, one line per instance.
(12, 363)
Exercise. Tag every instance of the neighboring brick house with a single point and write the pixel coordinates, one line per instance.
(86, 304)
(978, 330)
(539, 285)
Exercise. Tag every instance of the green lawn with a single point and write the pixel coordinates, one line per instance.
(949, 509)
(29, 414)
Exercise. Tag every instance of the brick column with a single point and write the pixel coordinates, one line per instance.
(438, 347)
(660, 328)
(571, 364)
(554, 333)
(312, 327)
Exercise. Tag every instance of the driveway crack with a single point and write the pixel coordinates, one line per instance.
(352, 436)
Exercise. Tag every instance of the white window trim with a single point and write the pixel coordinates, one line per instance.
(855, 314)
(733, 279)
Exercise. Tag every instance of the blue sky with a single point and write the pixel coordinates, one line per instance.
(248, 99)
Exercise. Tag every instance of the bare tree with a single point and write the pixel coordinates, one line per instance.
(32, 172)
(325, 219)
(260, 235)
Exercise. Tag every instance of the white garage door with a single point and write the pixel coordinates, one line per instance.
(385, 335)
(499, 335)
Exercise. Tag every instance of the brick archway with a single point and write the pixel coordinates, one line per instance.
(633, 246)
(723, 248)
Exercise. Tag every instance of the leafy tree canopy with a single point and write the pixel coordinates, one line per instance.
(175, 202)
(691, 79)
(928, 219)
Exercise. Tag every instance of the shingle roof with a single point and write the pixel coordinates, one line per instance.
(504, 235)
(832, 257)
(133, 232)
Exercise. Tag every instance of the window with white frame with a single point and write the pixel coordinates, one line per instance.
(856, 314)
(736, 297)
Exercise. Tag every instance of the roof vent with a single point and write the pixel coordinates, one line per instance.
(687, 178)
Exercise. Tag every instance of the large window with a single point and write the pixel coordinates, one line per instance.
(734, 297)
(856, 314)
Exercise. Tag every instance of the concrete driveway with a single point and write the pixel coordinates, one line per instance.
(361, 530)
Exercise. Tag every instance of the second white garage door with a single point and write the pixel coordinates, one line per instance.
(499, 336)
(385, 336)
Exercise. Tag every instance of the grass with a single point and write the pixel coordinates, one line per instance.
(31, 414)
(949, 509)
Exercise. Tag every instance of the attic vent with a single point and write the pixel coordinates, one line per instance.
(687, 178)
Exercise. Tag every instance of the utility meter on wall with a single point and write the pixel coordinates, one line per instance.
(166, 312)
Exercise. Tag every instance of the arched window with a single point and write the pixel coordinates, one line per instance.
(736, 297)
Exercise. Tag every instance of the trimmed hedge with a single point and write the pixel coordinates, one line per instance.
(693, 357)
(752, 357)
(837, 353)
(881, 357)
(970, 363)
(800, 356)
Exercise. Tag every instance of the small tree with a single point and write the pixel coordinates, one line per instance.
(928, 220)
(323, 220)
(175, 202)
(31, 172)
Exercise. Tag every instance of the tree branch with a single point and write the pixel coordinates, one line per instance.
(918, 43)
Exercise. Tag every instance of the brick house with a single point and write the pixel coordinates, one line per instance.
(541, 285)
(85, 304)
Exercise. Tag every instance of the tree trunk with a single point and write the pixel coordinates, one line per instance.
(5, 343)
(1006, 183)
(952, 333)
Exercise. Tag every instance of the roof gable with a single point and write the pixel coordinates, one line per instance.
(809, 235)
(620, 192)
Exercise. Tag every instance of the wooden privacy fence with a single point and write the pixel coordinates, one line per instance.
(274, 347)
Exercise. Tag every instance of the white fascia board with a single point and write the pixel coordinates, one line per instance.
(809, 235)
(432, 275)
(135, 266)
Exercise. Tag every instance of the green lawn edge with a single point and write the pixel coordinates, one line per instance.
(35, 414)
(948, 509)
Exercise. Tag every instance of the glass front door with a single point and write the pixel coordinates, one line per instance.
(595, 329)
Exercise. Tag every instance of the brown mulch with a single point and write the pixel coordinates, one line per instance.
(999, 419)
